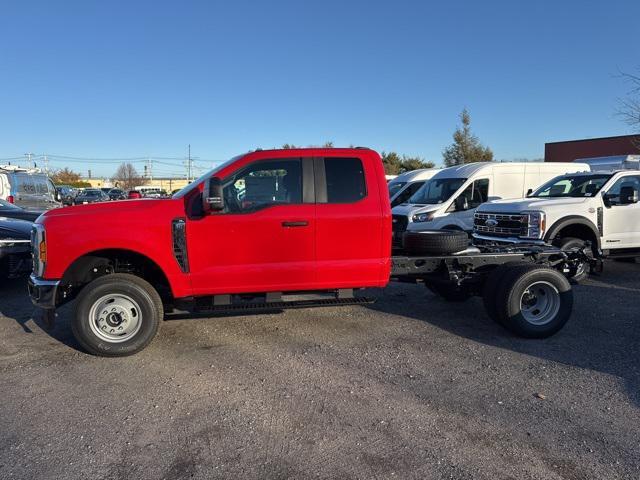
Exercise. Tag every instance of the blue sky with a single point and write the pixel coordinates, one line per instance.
(116, 79)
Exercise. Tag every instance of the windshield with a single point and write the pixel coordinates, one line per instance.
(572, 186)
(183, 191)
(436, 191)
(395, 188)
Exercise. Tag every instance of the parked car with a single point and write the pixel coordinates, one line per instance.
(133, 194)
(9, 210)
(117, 194)
(449, 199)
(257, 231)
(66, 194)
(27, 188)
(599, 207)
(90, 195)
(403, 186)
(15, 250)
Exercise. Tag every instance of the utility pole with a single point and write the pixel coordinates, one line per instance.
(28, 155)
(189, 166)
(46, 164)
(150, 169)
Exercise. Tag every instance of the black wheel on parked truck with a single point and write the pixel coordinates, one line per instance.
(117, 315)
(435, 242)
(569, 243)
(492, 284)
(533, 302)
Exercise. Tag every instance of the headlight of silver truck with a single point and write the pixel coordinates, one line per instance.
(535, 226)
(38, 249)
(422, 217)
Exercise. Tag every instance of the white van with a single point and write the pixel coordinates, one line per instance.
(403, 186)
(449, 199)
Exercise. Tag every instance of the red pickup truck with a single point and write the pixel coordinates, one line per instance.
(256, 232)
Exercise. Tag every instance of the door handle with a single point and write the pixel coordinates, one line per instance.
(299, 223)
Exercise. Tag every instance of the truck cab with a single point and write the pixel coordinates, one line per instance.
(599, 207)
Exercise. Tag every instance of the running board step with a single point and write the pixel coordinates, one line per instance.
(270, 306)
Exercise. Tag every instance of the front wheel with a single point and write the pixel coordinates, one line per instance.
(117, 315)
(534, 302)
(581, 270)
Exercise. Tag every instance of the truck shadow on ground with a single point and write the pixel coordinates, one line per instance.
(603, 333)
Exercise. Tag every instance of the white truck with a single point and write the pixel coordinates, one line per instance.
(448, 200)
(599, 207)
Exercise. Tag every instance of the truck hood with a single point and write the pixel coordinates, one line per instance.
(526, 204)
(15, 229)
(123, 207)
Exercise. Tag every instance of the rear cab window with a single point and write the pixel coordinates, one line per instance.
(345, 180)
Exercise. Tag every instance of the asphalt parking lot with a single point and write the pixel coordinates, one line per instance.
(409, 387)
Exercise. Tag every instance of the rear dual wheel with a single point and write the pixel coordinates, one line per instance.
(528, 300)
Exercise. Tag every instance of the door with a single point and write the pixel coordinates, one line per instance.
(463, 207)
(349, 224)
(264, 239)
(621, 222)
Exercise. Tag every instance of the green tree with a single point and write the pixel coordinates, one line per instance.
(466, 148)
(395, 164)
(66, 176)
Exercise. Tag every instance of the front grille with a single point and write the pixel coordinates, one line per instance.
(501, 225)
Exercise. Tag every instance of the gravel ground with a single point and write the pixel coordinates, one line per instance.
(409, 387)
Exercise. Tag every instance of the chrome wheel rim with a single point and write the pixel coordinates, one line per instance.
(540, 303)
(115, 318)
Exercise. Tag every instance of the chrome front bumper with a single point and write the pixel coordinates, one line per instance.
(43, 292)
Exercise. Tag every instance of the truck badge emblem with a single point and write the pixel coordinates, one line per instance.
(492, 222)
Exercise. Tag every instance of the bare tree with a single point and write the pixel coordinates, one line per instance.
(127, 177)
(630, 106)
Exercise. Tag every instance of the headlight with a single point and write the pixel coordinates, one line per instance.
(422, 217)
(38, 249)
(536, 224)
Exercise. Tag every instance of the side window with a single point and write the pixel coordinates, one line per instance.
(477, 193)
(345, 180)
(25, 184)
(630, 181)
(407, 193)
(262, 184)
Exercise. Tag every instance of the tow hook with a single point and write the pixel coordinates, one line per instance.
(49, 318)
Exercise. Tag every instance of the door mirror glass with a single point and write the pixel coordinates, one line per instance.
(628, 195)
(212, 198)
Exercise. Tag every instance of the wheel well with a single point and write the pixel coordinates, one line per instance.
(578, 230)
(104, 262)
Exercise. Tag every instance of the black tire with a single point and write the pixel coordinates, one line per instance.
(135, 288)
(449, 292)
(517, 281)
(568, 243)
(436, 242)
(492, 284)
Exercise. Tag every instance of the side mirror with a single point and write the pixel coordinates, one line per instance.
(628, 195)
(461, 203)
(529, 192)
(212, 196)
